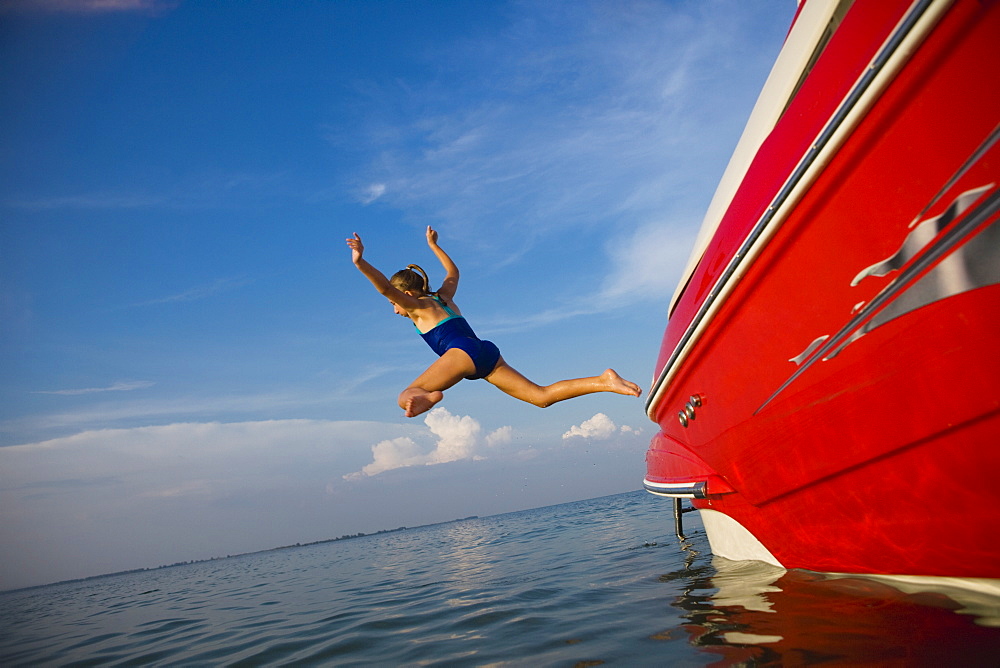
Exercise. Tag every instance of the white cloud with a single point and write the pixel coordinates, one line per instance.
(136, 409)
(458, 438)
(115, 387)
(501, 436)
(647, 264)
(200, 292)
(391, 454)
(624, 125)
(122, 498)
(599, 428)
(372, 193)
(178, 453)
(91, 6)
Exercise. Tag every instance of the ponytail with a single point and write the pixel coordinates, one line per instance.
(427, 283)
(412, 278)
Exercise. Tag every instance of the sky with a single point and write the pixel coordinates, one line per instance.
(190, 365)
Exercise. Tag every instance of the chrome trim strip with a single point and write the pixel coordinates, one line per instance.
(972, 160)
(949, 240)
(683, 490)
(922, 234)
(913, 15)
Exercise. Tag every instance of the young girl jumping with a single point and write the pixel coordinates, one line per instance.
(463, 354)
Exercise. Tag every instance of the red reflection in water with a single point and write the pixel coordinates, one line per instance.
(756, 615)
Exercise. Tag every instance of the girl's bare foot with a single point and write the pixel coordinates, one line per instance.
(420, 401)
(616, 383)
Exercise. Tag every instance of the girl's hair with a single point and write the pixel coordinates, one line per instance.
(412, 278)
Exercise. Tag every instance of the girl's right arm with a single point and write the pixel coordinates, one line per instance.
(377, 278)
(450, 284)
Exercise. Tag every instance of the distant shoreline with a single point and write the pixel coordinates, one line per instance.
(241, 554)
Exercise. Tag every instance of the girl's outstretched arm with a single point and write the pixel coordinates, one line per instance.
(450, 284)
(377, 278)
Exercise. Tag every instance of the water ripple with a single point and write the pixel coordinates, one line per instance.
(581, 584)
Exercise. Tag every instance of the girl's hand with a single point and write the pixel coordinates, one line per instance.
(432, 236)
(357, 248)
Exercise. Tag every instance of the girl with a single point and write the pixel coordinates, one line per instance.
(462, 353)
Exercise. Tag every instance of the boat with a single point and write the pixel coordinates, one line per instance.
(828, 384)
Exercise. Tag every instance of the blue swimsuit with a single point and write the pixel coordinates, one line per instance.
(455, 332)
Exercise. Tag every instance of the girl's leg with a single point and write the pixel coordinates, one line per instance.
(513, 383)
(428, 388)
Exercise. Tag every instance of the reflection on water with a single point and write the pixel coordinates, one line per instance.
(751, 613)
(602, 581)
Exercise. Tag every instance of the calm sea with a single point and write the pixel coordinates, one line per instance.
(595, 582)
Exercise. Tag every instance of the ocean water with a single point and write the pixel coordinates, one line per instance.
(597, 582)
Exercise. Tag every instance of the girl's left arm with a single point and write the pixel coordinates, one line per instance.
(450, 284)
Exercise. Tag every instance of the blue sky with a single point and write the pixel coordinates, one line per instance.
(192, 367)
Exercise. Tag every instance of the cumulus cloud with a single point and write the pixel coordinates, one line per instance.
(391, 454)
(457, 438)
(500, 436)
(599, 428)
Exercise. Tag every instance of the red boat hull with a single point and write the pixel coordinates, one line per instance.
(840, 334)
